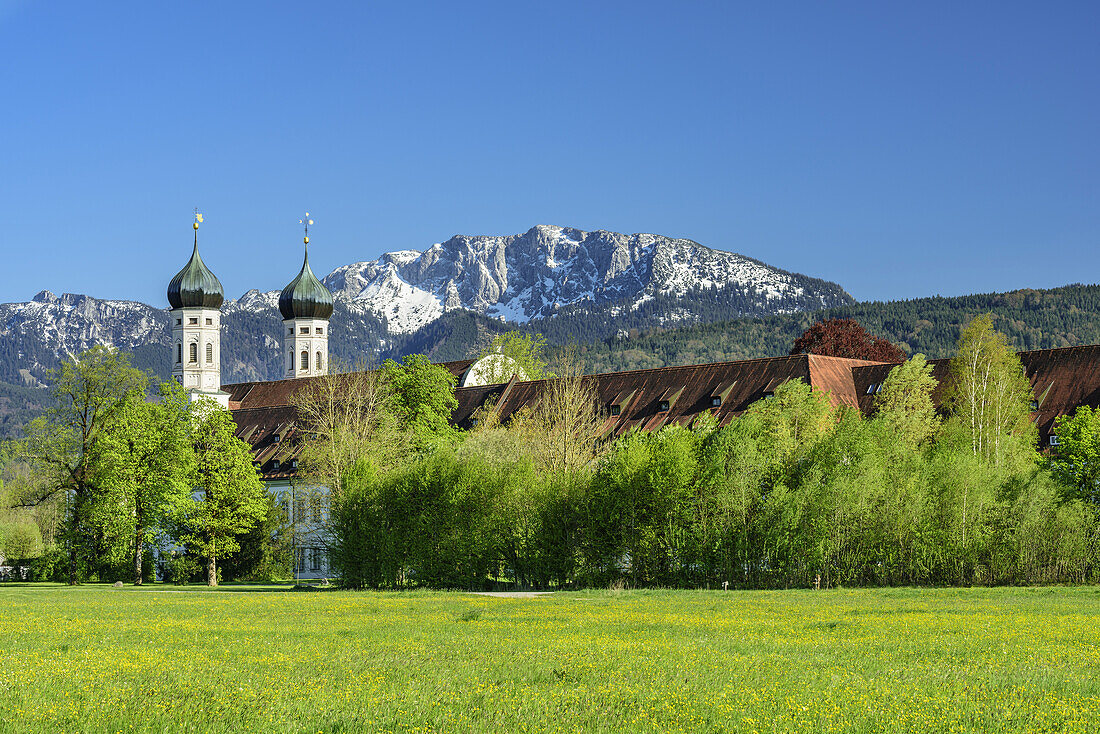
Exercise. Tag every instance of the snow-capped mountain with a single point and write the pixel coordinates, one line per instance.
(608, 281)
(533, 275)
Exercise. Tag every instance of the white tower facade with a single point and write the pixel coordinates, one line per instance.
(196, 345)
(305, 347)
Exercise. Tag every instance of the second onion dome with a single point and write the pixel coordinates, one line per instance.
(305, 297)
(195, 286)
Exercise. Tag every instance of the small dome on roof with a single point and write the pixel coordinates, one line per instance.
(305, 297)
(195, 286)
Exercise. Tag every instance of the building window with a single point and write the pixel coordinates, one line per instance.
(319, 330)
(317, 364)
(315, 508)
(299, 509)
(769, 395)
(275, 464)
(179, 353)
(179, 379)
(616, 409)
(1034, 404)
(716, 401)
(304, 330)
(209, 353)
(314, 559)
(1053, 440)
(304, 363)
(210, 322)
(662, 406)
(871, 389)
(179, 322)
(290, 331)
(194, 352)
(193, 321)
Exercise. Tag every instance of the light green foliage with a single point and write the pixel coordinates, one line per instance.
(20, 539)
(990, 397)
(905, 402)
(639, 508)
(423, 398)
(795, 418)
(230, 496)
(1076, 459)
(66, 450)
(148, 464)
(524, 353)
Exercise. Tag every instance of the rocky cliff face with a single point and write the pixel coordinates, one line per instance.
(533, 275)
(538, 277)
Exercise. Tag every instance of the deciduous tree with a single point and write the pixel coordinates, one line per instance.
(846, 338)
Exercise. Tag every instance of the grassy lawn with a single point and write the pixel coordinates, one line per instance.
(982, 660)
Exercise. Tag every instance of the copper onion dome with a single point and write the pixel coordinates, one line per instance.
(305, 297)
(195, 286)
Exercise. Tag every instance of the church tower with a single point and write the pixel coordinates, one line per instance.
(195, 295)
(306, 306)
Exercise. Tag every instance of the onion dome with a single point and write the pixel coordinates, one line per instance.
(195, 286)
(305, 297)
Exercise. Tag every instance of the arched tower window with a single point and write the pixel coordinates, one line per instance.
(305, 361)
(209, 353)
(317, 364)
(179, 353)
(194, 352)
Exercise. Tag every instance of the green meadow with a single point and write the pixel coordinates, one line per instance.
(160, 659)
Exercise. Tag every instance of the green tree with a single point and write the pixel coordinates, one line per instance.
(66, 446)
(423, 399)
(149, 462)
(229, 497)
(1076, 461)
(514, 353)
(989, 394)
(905, 402)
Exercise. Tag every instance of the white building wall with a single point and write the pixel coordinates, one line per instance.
(196, 333)
(309, 336)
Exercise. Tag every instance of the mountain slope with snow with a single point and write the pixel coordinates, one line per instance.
(590, 284)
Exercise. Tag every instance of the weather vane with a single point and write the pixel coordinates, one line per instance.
(305, 224)
(198, 218)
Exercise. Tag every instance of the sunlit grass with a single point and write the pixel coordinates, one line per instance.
(99, 659)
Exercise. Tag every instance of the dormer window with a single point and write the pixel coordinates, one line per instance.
(1034, 404)
(275, 465)
(179, 322)
(294, 464)
(769, 395)
(871, 388)
(304, 330)
(193, 321)
(276, 438)
(1053, 440)
(668, 399)
(716, 401)
(616, 409)
(319, 330)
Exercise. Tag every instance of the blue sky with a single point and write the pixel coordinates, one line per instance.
(901, 150)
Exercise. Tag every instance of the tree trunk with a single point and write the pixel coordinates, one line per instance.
(212, 568)
(139, 532)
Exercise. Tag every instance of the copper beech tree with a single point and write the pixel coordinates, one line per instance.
(846, 338)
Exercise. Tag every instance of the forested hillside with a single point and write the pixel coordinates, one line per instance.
(1032, 319)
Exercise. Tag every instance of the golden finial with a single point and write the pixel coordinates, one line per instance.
(198, 218)
(305, 223)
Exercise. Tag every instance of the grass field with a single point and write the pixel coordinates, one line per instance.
(982, 660)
